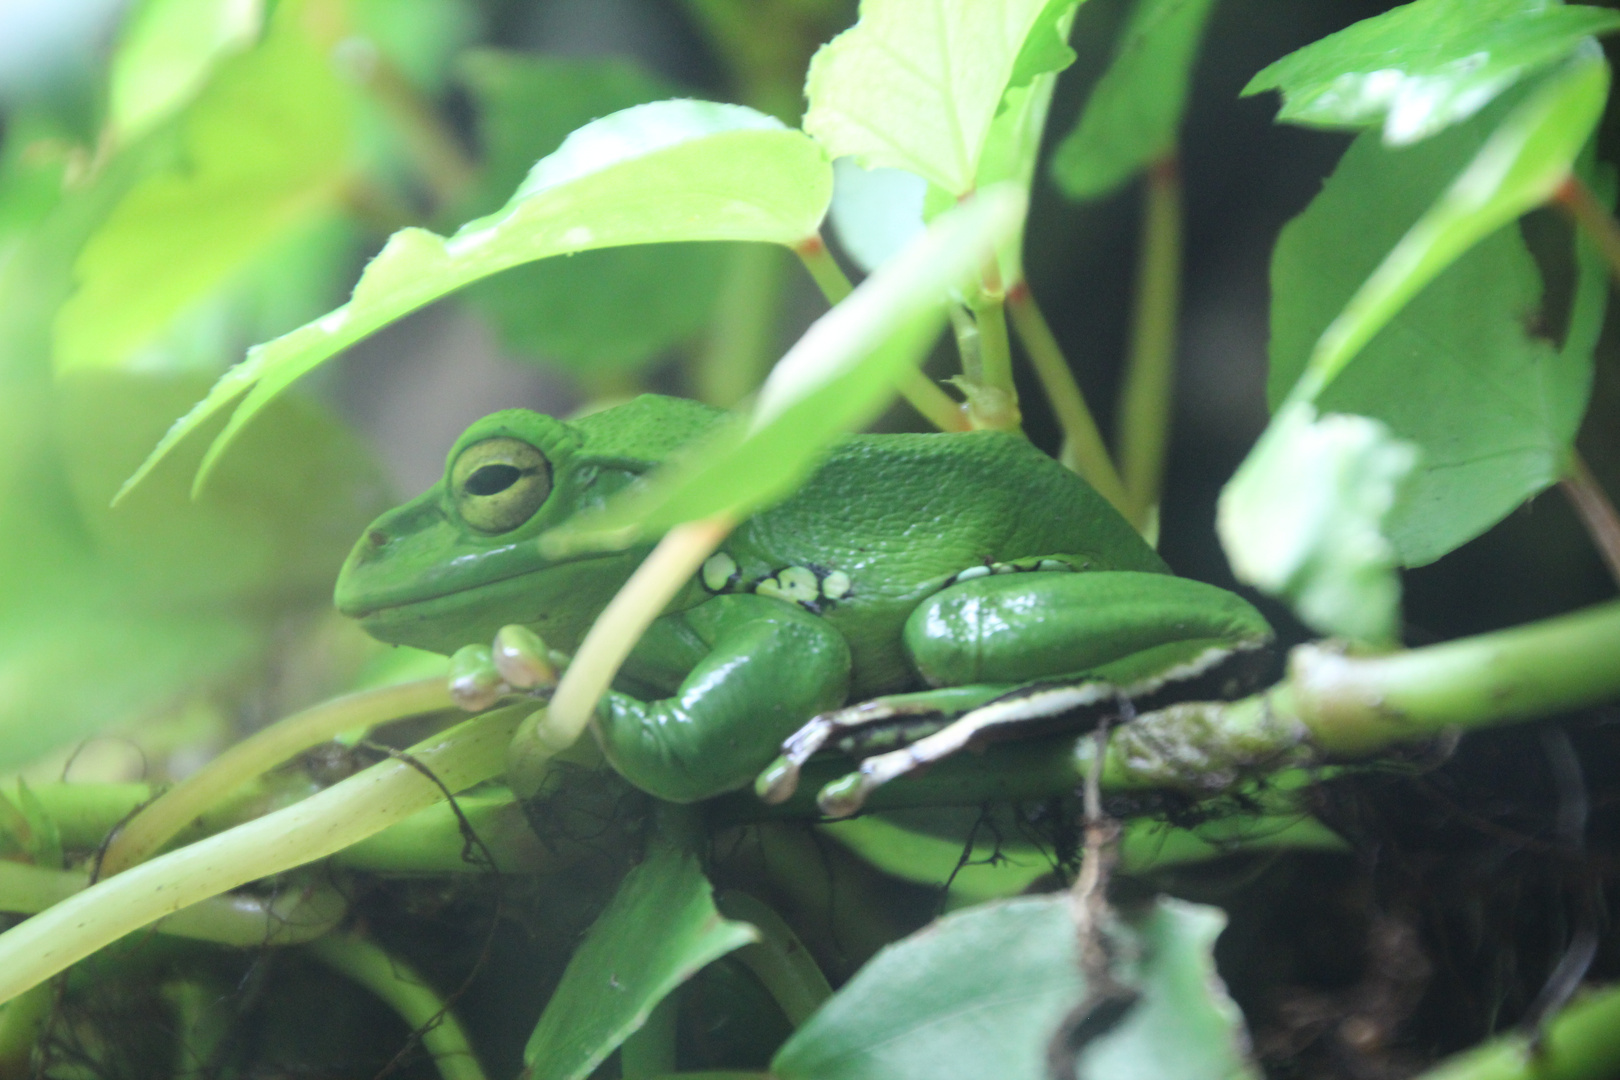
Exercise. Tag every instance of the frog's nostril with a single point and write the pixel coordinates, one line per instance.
(377, 538)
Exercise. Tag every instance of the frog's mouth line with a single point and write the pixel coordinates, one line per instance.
(448, 598)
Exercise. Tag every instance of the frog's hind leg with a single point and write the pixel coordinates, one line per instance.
(1073, 642)
(881, 717)
(1015, 710)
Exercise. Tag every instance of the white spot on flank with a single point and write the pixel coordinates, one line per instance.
(577, 237)
(334, 321)
(718, 571)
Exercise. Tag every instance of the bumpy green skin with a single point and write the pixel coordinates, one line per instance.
(807, 605)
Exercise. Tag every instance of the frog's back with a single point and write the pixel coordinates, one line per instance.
(890, 519)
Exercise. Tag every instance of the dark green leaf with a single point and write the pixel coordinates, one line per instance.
(980, 994)
(574, 310)
(1457, 370)
(1134, 115)
(658, 931)
(1427, 64)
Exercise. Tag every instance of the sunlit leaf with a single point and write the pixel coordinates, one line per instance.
(839, 375)
(1304, 519)
(1459, 371)
(1134, 115)
(661, 928)
(981, 993)
(1427, 64)
(915, 84)
(265, 151)
(658, 173)
(167, 50)
(573, 311)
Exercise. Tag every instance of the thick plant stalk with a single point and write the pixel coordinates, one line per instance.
(328, 821)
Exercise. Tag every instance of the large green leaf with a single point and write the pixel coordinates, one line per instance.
(657, 173)
(1427, 64)
(981, 993)
(838, 377)
(916, 84)
(573, 310)
(265, 151)
(1456, 371)
(1134, 115)
(658, 931)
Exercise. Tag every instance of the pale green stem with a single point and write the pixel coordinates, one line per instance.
(779, 959)
(291, 916)
(649, 1051)
(409, 995)
(1595, 510)
(921, 393)
(741, 342)
(1144, 405)
(1083, 449)
(361, 806)
(158, 823)
(1581, 1043)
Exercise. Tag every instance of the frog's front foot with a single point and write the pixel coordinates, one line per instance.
(518, 661)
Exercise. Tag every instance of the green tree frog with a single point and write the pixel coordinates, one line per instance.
(965, 582)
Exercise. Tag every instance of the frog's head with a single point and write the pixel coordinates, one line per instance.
(457, 563)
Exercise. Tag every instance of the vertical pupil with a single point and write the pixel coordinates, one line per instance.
(491, 479)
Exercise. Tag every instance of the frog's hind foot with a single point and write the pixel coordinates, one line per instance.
(1017, 709)
(857, 725)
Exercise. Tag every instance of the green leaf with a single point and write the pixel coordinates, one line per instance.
(422, 38)
(658, 173)
(1456, 371)
(1046, 49)
(265, 152)
(838, 377)
(1134, 115)
(166, 52)
(658, 931)
(1519, 168)
(573, 310)
(980, 994)
(915, 84)
(1304, 519)
(1426, 65)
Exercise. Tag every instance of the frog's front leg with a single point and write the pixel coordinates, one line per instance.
(762, 667)
(1076, 640)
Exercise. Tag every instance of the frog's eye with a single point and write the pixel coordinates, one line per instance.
(498, 484)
